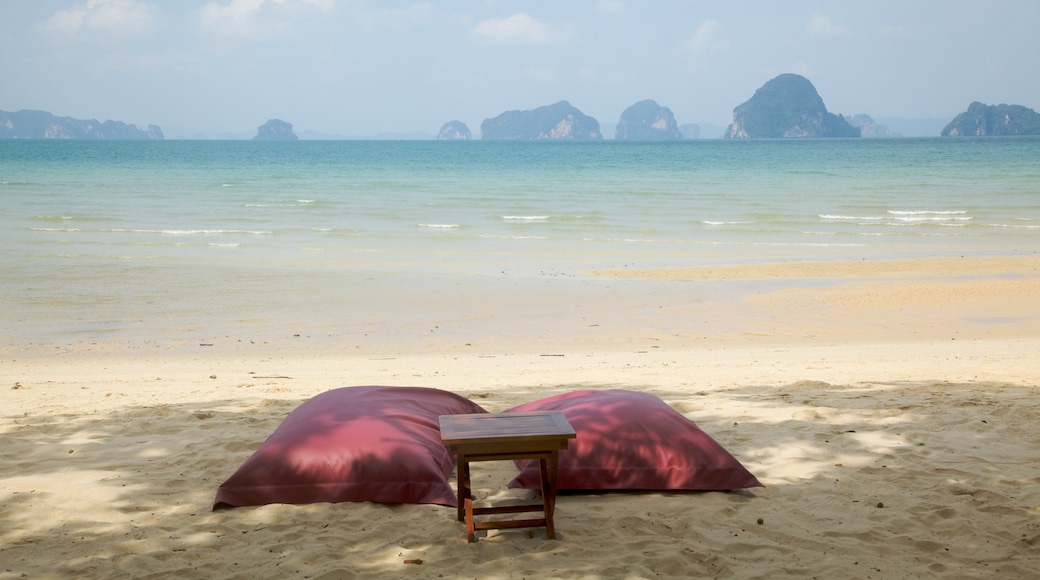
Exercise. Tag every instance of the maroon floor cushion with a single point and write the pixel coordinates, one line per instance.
(378, 444)
(633, 441)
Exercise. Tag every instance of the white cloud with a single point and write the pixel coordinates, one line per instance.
(243, 16)
(820, 25)
(119, 17)
(519, 28)
(707, 38)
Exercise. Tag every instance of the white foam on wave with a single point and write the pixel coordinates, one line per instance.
(1016, 226)
(725, 223)
(163, 232)
(933, 218)
(849, 217)
(928, 212)
(439, 226)
(502, 237)
(525, 218)
(224, 245)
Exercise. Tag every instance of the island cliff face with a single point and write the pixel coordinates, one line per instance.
(787, 106)
(275, 130)
(557, 121)
(454, 130)
(43, 125)
(647, 121)
(981, 119)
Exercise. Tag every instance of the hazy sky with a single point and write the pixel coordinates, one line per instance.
(361, 67)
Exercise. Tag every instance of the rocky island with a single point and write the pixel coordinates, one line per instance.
(557, 121)
(981, 120)
(454, 130)
(43, 125)
(647, 121)
(787, 106)
(275, 130)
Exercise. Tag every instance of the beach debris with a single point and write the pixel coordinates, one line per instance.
(416, 561)
(880, 504)
(760, 521)
(213, 376)
(17, 386)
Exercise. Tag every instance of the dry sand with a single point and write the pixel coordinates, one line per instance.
(892, 412)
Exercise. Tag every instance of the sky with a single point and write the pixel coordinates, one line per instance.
(355, 68)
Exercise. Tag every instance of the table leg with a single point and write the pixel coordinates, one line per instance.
(466, 498)
(547, 498)
(464, 486)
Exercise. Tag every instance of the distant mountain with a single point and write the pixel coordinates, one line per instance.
(557, 121)
(981, 119)
(43, 125)
(647, 121)
(868, 127)
(787, 106)
(905, 127)
(690, 130)
(275, 130)
(455, 130)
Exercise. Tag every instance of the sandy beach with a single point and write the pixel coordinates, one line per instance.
(890, 409)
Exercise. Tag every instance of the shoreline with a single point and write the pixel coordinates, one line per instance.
(931, 267)
(892, 420)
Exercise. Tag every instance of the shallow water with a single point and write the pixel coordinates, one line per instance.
(192, 238)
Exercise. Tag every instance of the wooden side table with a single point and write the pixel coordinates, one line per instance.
(506, 437)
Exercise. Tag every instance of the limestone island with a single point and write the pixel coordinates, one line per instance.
(983, 120)
(27, 124)
(557, 121)
(454, 131)
(647, 121)
(787, 106)
(275, 130)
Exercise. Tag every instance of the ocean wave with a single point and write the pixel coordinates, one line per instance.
(192, 232)
(439, 226)
(159, 232)
(850, 217)
(503, 237)
(933, 218)
(524, 218)
(928, 212)
(725, 223)
(1015, 226)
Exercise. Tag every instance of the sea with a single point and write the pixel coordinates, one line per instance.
(243, 240)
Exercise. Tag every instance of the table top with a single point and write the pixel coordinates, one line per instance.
(496, 427)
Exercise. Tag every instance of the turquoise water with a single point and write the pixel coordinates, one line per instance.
(187, 237)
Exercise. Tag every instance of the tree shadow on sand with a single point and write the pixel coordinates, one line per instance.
(857, 473)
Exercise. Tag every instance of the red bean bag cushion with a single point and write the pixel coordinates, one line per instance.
(633, 441)
(378, 444)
